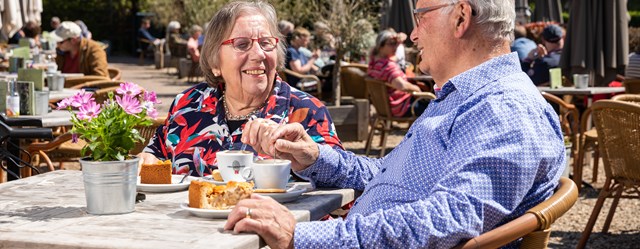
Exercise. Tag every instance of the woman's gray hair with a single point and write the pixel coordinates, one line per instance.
(382, 38)
(195, 28)
(220, 27)
(496, 18)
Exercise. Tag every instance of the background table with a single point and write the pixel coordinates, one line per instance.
(48, 211)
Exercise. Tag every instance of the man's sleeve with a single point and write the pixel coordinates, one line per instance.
(504, 172)
(98, 61)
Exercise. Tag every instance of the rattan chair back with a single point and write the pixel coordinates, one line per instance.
(534, 226)
(631, 98)
(618, 126)
(147, 133)
(352, 81)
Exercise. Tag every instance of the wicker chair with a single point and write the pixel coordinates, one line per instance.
(286, 73)
(352, 81)
(114, 73)
(147, 133)
(143, 47)
(379, 97)
(534, 226)
(631, 98)
(632, 86)
(588, 140)
(569, 118)
(70, 82)
(617, 124)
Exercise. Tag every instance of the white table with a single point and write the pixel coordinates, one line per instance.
(54, 118)
(589, 91)
(62, 94)
(48, 211)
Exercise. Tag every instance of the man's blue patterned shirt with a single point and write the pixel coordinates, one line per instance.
(485, 151)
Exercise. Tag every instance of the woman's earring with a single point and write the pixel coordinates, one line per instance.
(216, 72)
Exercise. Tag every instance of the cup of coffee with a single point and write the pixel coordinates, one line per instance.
(232, 162)
(269, 173)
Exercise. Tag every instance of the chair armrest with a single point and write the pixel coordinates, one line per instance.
(301, 76)
(423, 95)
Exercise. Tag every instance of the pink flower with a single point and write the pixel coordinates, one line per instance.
(129, 88)
(152, 112)
(88, 111)
(81, 98)
(150, 97)
(63, 104)
(130, 104)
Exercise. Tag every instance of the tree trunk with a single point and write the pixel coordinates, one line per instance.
(335, 76)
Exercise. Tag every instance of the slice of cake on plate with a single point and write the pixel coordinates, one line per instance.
(159, 173)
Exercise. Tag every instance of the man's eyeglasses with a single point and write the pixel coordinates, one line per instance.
(432, 8)
(243, 44)
(417, 17)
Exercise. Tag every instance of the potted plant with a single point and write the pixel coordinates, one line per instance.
(109, 172)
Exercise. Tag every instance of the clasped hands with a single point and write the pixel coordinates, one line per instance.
(268, 218)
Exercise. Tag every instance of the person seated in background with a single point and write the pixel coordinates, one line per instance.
(240, 57)
(546, 55)
(32, 31)
(143, 32)
(77, 54)
(632, 71)
(192, 43)
(522, 45)
(176, 45)
(488, 149)
(297, 61)
(400, 55)
(85, 30)
(383, 66)
(54, 23)
(286, 29)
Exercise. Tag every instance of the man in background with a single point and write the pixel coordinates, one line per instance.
(77, 54)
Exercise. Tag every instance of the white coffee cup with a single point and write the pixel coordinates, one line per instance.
(268, 173)
(231, 163)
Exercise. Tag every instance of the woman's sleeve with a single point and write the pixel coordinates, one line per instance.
(314, 117)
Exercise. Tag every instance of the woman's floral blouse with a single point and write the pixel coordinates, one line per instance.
(196, 127)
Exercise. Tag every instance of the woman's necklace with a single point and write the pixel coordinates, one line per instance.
(232, 117)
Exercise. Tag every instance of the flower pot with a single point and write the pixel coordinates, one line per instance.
(110, 187)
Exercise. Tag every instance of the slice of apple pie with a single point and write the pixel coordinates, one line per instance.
(209, 196)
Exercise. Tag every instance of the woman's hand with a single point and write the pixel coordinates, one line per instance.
(289, 141)
(146, 158)
(266, 217)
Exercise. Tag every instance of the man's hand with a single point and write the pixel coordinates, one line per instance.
(289, 141)
(266, 217)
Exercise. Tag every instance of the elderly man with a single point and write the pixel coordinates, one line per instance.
(485, 151)
(77, 54)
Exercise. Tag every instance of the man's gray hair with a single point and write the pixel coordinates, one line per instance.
(495, 18)
(220, 27)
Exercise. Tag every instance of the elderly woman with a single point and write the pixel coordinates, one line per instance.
(241, 53)
(383, 66)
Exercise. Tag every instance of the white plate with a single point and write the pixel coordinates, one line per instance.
(162, 188)
(206, 213)
(291, 195)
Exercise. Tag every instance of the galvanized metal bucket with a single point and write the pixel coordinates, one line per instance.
(110, 187)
